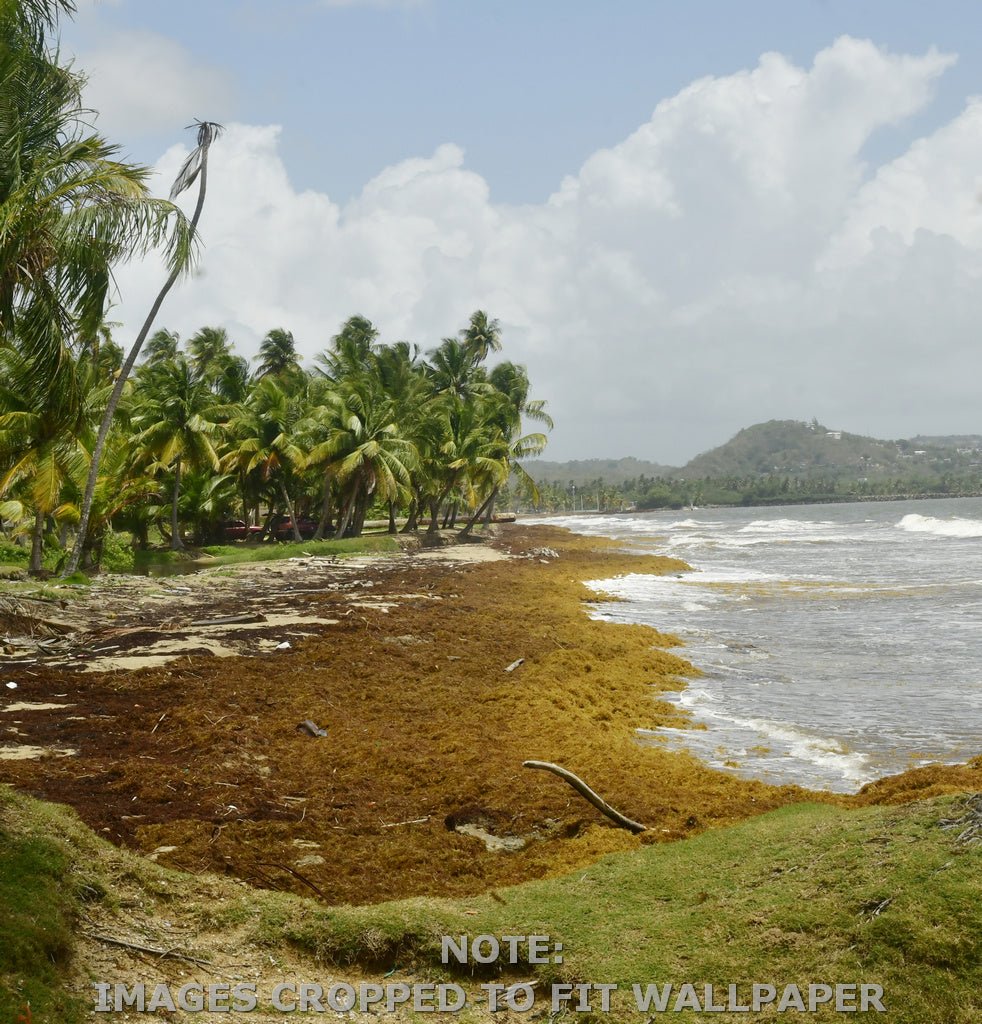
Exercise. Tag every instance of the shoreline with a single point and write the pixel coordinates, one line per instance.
(400, 659)
(245, 800)
(196, 758)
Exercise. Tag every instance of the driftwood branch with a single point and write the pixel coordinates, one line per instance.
(296, 875)
(174, 954)
(588, 794)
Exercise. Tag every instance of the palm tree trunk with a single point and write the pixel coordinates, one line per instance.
(37, 544)
(290, 510)
(489, 512)
(434, 516)
(412, 517)
(345, 517)
(117, 392)
(176, 544)
(358, 517)
(392, 517)
(488, 503)
(324, 523)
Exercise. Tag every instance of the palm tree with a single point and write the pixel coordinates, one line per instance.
(39, 443)
(264, 444)
(176, 413)
(196, 166)
(481, 336)
(69, 209)
(278, 355)
(351, 349)
(162, 344)
(509, 406)
(210, 352)
(364, 450)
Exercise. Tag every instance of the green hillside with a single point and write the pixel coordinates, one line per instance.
(793, 448)
(778, 461)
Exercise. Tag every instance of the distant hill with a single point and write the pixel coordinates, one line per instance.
(793, 448)
(583, 471)
(787, 448)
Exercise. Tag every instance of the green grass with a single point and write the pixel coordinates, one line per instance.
(790, 897)
(37, 908)
(229, 554)
(785, 898)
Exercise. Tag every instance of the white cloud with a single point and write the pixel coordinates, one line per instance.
(732, 260)
(143, 83)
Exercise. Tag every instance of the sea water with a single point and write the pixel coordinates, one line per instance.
(838, 643)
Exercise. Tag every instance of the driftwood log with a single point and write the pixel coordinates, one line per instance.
(588, 794)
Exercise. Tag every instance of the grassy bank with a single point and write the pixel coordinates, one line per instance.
(805, 894)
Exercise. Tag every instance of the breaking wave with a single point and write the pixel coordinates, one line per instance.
(953, 527)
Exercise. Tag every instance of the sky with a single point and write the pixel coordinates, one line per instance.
(687, 217)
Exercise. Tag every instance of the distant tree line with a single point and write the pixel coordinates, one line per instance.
(650, 493)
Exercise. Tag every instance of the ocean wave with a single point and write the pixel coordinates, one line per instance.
(785, 526)
(954, 527)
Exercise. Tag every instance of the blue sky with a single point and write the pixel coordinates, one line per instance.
(660, 298)
(529, 88)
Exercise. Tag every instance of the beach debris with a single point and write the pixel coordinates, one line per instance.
(492, 843)
(407, 640)
(588, 794)
(285, 646)
(969, 823)
(311, 728)
(397, 824)
(514, 665)
(873, 908)
(140, 947)
(546, 554)
(11, 685)
(296, 874)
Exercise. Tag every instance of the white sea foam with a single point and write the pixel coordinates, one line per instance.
(778, 742)
(785, 526)
(953, 527)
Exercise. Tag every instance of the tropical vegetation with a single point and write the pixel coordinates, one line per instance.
(168, 441)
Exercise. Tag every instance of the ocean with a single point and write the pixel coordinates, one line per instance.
(838, 643)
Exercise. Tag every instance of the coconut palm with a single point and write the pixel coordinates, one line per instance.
(176, 417)
(69, 209)
(39, 444)
(196, 166)
(209, 351)
(264, 448)
(350, 351)
(161, 345)
(363, 450)
(481, 336)
(278, 355)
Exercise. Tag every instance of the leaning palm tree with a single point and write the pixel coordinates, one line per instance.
(196, 166)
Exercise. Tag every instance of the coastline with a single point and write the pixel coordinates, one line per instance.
(197, 761)
(197, 764)
(402, 663)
